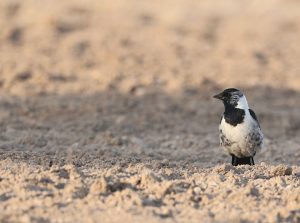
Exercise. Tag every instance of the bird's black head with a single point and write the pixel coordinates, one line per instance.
(230, 96)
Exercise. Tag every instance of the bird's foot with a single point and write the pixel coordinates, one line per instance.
(242, 161)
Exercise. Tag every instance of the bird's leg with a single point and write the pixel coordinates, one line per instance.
(242, 161)
(234, 160)
(252, 161)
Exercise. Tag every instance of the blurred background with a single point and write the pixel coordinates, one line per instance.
(90, 46)
(122, 78)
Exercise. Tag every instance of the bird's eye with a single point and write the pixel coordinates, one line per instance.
(226, 95)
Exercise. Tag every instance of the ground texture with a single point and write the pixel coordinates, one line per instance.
(106, 110)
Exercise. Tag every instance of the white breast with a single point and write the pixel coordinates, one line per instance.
(238, 136)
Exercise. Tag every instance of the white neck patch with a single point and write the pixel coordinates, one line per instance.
(242, 103)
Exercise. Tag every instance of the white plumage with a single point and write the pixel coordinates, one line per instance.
(243, 137)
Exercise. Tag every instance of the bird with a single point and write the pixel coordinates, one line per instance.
(239, 130)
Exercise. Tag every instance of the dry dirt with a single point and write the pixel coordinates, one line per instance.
(106, 110)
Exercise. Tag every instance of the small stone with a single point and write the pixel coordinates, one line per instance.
(281, 170)
(99, 186)
(223, 168)
(197, 190)
(163, 213)
(254, 192)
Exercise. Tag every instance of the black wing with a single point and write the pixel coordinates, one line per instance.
(253, 115)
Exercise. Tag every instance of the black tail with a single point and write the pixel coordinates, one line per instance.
(242, 161)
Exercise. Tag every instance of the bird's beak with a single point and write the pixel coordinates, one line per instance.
(219, 96)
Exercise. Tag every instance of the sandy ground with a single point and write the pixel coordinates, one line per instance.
(106, 110)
